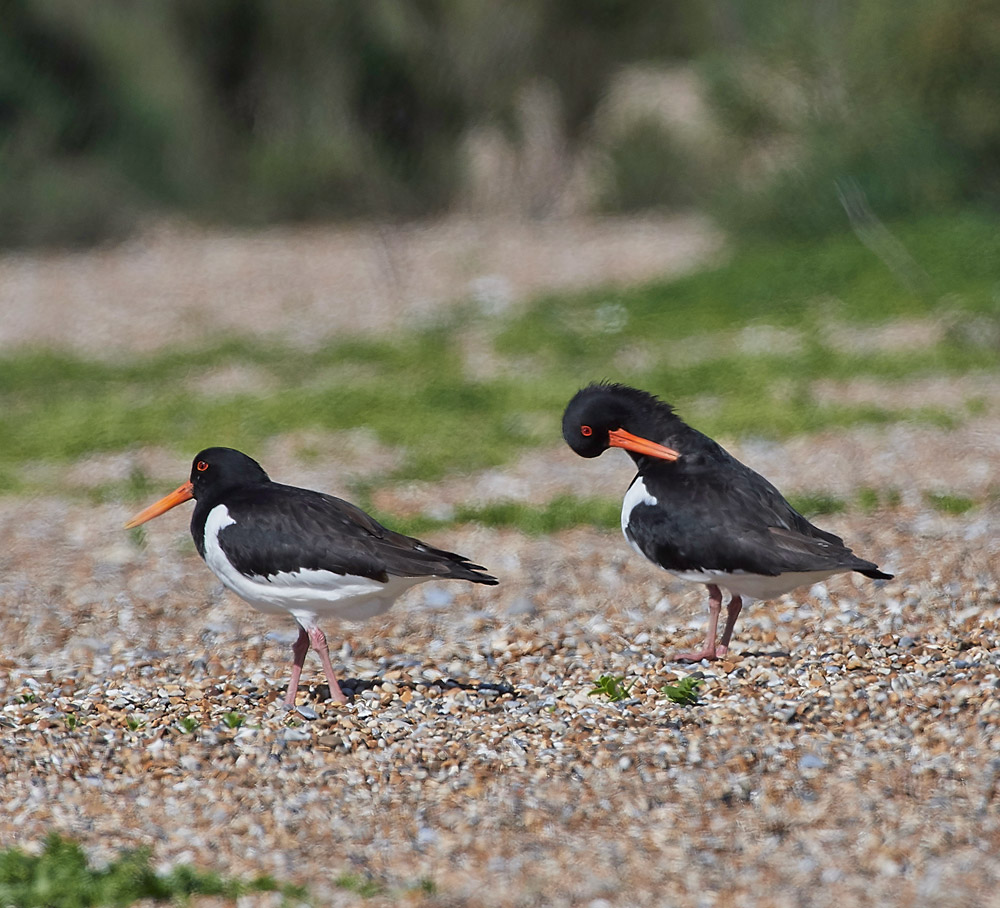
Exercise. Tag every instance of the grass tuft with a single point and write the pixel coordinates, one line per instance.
(61, 877)
(363, 886)
(815, 504)
(949, 504)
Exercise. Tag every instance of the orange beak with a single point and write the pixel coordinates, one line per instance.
(178, 496)
(619, 438)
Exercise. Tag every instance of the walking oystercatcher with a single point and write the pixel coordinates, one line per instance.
(699, 513)
(290, 550)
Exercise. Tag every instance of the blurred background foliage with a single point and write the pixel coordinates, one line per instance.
(253, 112)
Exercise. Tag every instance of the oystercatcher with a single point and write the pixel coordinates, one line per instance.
(304, 553)
(699, 513)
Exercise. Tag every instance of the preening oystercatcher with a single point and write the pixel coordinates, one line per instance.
(304, 553)
(699, 513)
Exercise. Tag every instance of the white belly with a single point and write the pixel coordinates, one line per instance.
(755, 586)
(306, 594)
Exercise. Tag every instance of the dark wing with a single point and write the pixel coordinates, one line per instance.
(713, 543)
(717, 513)
(283, 528)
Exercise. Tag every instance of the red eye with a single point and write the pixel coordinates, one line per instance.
(586, 430)
(202, 466)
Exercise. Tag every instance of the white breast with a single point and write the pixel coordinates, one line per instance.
(305, 593)
(636, 495)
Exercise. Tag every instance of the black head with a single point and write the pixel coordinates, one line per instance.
(213, 471)
(603, 416)
(216, 469)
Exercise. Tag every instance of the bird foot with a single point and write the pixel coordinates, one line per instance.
(337, 696)
(709, 653)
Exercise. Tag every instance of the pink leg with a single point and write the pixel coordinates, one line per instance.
(299, 649)
(714, 608)
(732, 613)
(318, 640)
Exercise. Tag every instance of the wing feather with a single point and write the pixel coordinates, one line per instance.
(283, 528)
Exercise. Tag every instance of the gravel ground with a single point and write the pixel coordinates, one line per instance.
(848, 751)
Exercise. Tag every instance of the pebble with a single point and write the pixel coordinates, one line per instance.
(863, 753)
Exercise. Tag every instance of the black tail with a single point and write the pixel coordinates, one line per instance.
(876, 574)
(466, 570)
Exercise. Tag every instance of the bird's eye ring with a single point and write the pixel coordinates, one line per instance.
(586, 430)
(202, 466)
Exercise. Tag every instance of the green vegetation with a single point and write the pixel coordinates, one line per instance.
(234, 720)
(902, 134)
(364, 886)
(949, 504)
(311, 111)
(368, 887)
(61, 877)
(872, 499)
(560, 513)
(613, 688)
(188, 725)
(816, 504)
(740, 349)
(287, 112)
(684, 692)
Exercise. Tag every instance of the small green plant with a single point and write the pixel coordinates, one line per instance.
(188, 724)
(364, 886)
(72, 721)
(133, 724)
(949, 504)
(60, 877)
(233, 720)
(684, 692)
(28, 698)
(612, 687)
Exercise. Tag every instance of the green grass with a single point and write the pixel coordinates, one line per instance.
(870, 499)
(790, 285)
(367, 887)
(61, 877)
(948, 503)
(415, 393)
(562, 512)
(816, 504)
